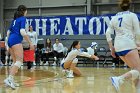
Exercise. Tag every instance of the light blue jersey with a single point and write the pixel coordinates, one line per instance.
(15, 36)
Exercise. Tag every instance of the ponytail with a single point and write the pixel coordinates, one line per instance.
(20, 11)
(73, 45)
(70, 49)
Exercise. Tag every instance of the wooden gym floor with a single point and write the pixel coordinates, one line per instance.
(51, 80)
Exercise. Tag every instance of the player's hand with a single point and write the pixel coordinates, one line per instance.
(94, 57)
(113, 52)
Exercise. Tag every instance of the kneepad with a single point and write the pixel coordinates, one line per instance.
(75, 60)
(135, 74)
(18, 64)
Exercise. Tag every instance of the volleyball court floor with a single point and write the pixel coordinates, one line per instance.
(46, 79)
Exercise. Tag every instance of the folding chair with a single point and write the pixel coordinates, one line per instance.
(101, 53)
(108, 58)
(81, 59)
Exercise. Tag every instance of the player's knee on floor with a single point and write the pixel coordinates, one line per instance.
(18, 64)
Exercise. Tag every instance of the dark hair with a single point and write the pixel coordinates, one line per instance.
(73, 45)
(29, 27)
(56, 38)
(20, 11)
(48, 44)
(125, 4)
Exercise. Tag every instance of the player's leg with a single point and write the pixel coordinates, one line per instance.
(133, 61)
(18, 53)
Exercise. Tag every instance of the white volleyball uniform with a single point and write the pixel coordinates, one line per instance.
(127, 30)
(73, 54)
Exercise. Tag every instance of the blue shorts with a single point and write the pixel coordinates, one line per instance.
(14, 39)
(62, 65)
(123, 53)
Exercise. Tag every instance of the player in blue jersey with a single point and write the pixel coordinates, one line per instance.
(127, 39)
(15, 35)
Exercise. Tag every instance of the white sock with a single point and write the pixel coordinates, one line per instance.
(121, 79)
(71, 71)
(6, 59)
(11, 77)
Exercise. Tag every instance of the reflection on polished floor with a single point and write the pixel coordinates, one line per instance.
(51, 80)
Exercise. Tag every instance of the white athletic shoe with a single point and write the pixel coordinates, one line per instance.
(70, 75)
(113, 65)
(10, 83)
(34, 63)
(116, 82)
(54, 64)
(5, 64)
(16, 84)
(46, 64)
(65, 72)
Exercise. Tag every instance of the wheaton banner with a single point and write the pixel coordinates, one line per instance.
(70, 25)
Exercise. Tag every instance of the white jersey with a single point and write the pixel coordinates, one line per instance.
(73, 54)
(58, 47)
(33, 37)
(126, 27)
(90, 51)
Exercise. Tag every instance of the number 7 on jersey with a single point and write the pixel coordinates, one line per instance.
(120, 21)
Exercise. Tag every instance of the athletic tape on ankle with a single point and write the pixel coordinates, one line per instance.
(18, 64)
(75, 60)
(135, 74)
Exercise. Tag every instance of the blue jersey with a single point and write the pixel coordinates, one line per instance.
(15, 37)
